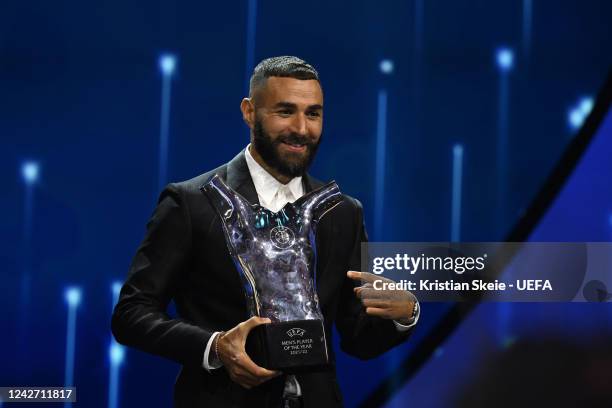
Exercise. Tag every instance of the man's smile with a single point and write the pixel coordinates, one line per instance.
(294, 147)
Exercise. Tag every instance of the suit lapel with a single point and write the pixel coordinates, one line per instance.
(239, 178)
(310, 183)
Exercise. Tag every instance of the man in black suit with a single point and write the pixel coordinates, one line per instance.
(184, 258)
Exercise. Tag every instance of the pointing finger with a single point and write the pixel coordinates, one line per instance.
(363, 276)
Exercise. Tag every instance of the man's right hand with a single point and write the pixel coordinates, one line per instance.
(232, 353)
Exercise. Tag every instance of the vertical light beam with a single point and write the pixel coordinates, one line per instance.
(30, 171)
(527, 26)
(505, 62)
(251, 30)
(116, 354)
(419, 22)
(167, 66)
(381, 153)
(417, 79)
(73, 298)
(456, 198)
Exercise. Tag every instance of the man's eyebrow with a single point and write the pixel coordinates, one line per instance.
(290, 105)
(285, 105)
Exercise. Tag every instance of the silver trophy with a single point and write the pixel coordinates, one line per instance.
(275, 255)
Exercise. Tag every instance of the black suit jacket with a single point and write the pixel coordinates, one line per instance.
(184, 258)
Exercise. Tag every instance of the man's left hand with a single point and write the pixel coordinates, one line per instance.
(391, 304)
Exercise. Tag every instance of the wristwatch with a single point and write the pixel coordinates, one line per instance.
(415, 311)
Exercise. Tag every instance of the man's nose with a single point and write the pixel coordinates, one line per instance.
(299, 125)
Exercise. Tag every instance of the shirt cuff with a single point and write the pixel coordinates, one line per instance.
(206, 363)
(403, 327)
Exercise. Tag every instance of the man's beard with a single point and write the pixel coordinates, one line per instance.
(268, 149)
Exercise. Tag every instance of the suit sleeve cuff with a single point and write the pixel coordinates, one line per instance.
(405, 327)
(206, 363)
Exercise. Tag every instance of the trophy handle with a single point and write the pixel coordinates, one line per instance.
(319, 202)
(232, 208)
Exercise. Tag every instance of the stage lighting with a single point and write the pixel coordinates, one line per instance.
(505, 59)
(29, 170)
(167, 64)
(457, 150)
(456, 193)
(73, 296)
(116, 289)
(251, 31)
(575, 118)
(578, 114)
(386, 66)
(585, 106)
(527, 26)
(381, 158)
(116, 353)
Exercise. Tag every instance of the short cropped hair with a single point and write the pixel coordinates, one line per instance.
(286, 66)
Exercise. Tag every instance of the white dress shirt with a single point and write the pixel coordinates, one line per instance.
(273, 195)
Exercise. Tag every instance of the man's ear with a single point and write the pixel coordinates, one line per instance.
(248, 112)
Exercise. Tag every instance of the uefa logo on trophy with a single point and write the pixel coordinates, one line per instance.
(282, 237)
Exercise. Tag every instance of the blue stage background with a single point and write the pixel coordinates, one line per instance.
(505, 85)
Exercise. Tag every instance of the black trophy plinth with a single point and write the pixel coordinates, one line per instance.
(291, 347)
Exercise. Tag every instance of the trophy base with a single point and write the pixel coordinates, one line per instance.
(291, 347)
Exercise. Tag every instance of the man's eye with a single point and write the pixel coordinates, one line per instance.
(285, 112)
(314, 114)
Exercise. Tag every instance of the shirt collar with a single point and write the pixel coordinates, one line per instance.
(265, 184)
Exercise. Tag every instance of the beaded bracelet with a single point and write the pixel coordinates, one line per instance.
(415, 311)
(217, 358)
